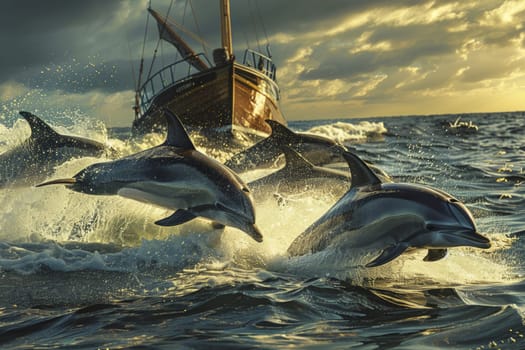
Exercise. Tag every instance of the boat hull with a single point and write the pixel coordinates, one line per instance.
(229, 98)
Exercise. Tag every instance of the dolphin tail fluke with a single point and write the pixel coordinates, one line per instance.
(388, 255)
(179, 217)
(435, 254)
(68, 181)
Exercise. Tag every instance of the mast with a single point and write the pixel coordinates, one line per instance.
(226, 29)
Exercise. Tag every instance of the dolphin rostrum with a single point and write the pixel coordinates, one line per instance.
(390, 218)
(35, 159)
(173, 175)
(317, 149)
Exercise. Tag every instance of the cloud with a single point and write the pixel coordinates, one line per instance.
(10, 90)
(35, 35)
(426, 51)
(331, 55)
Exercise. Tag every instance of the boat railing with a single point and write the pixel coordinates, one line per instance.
(166, 78)
(260, 62)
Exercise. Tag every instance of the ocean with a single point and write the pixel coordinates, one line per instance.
(94, 272)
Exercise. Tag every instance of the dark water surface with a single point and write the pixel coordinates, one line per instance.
(86, 272)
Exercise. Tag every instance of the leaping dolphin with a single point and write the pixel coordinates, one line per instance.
(176, 176)
(299, 175)
(318, 150)
(34, 159)
(390, 218)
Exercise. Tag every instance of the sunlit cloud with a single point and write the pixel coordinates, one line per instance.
(10, 90)
(334, 58)
(508, 12)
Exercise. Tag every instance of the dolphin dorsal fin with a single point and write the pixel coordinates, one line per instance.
(279, 130)
(295, 160)
(177, 135)
(39, 129)
(362, 175)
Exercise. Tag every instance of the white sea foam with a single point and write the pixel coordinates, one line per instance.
(37, 215)
(35, 223)
(350, 132)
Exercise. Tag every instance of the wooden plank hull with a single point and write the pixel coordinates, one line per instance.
(229, 98)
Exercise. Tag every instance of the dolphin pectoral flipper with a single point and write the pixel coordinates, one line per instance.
(435, 254)
(388, 254)
(179, 217)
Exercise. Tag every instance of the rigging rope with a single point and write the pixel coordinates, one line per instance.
(254, 22)
(131, 60)
(183, 19)
(263, 26)
(159, 40)
(198, 29)
(141, 69)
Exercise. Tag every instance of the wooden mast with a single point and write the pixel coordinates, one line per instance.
(226, 29)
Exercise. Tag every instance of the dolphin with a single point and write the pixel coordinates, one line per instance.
(317, 149)
(173, 175)
(390, 218)
(33, 160)
(300, 175)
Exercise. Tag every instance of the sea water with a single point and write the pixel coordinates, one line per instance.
(89, 272)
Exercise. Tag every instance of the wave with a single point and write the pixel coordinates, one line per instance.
(38, 233)
(350, 132)
(85, 233)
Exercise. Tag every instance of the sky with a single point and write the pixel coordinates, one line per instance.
(335, 58)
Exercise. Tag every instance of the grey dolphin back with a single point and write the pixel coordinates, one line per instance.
(362, 175)
(295, 161)
(177, 134)
(267, 150)
(46, 137)
(280, 131)
(39, 129)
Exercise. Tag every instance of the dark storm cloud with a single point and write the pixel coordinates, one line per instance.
(42, 37)
(37, 16)
(35, 33)
(306, 15)
(335, 50)
(405, 51)
(38, 34)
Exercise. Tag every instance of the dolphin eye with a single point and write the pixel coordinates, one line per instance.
(453, 200)
(246, 189)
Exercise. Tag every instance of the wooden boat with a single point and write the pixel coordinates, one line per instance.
(226, 96)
